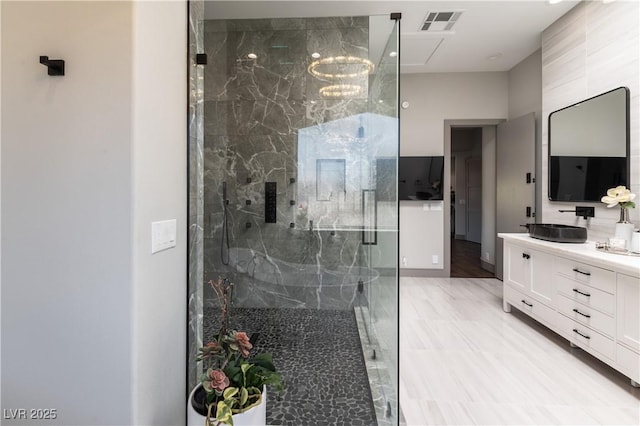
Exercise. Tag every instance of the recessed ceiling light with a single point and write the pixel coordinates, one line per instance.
(252, 56)
(494, 56)
(393, 54)
(553, 1)
(315, 55)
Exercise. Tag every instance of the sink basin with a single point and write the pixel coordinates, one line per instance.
(557, 233)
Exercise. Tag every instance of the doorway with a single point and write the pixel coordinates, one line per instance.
(466, 204)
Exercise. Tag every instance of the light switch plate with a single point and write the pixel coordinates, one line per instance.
(163, 235)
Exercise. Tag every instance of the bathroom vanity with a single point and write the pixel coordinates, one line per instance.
(589, 297)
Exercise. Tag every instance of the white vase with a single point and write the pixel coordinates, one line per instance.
(623, 231)
(256, 416)
(624, 228)
(635, 242)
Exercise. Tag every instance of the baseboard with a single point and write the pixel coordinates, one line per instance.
(487, 266)
(460, 237)
(386, 272)
(423, 273)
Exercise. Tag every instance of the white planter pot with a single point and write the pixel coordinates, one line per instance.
(256, 416)
(624, 231)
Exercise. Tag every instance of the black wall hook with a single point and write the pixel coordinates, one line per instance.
(54, 66)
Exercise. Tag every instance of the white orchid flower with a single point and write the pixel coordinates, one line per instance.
(619, 195)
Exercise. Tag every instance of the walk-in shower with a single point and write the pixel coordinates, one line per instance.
(293, 159)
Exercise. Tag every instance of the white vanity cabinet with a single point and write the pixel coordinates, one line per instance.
(589, 297)
(528, 283)
(628, 326)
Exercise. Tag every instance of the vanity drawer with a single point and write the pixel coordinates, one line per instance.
(530, 306)
(586, 338)
(602, 279)
(585, 315)
(587, 295)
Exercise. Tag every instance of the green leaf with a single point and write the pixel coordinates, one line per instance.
(230, 392)
(264, 360)
(244, 395)
(245, 367)
(224, 414)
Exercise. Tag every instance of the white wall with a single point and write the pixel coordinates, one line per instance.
(436, 97)
(87, 313)
(159, 150)
(421, 235)
(594, 48)
(433, 99)
(66, 216)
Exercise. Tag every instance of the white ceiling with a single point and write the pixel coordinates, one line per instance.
(509, 29)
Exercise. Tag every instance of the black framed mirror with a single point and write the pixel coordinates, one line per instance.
(589, 147)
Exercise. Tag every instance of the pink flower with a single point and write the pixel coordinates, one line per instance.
(210, 350)
(218, 380)
(243, 343)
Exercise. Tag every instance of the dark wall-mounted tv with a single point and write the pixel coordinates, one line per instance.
(420, 178)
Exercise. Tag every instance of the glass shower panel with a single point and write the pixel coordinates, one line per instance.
(380, 221)
(298, 201)
(196, 188)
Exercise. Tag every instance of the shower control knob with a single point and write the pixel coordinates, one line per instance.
(248, 202)
(292, 180)
(292, 225)
(292, 202)
(248, 225)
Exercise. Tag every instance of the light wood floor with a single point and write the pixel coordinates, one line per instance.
(465, 361)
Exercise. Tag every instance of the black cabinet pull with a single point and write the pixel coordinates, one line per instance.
(526, 256)
(583, 335)
(580, 292)
(581, 272)
(526, 303)
(580, 313)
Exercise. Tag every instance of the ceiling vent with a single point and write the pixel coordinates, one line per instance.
(440, 21)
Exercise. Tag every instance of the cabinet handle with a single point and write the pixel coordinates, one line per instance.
(528, 304)
(579, 292)
(580, 313)
(581, 272)
(526, 256)
(583, 335)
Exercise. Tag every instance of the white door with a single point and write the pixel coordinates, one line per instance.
(515, 167)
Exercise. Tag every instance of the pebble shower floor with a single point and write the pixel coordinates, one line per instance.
(319, 355)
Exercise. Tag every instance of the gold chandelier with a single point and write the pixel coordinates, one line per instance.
(362, 67)
(340, 90)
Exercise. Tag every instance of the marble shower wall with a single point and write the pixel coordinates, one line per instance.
(254, 110)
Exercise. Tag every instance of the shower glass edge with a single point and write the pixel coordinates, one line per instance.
(378, 314)
(195, 167)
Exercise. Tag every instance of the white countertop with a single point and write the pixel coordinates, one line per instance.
(584, 252)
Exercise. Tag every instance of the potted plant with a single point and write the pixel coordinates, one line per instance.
(233, 384)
